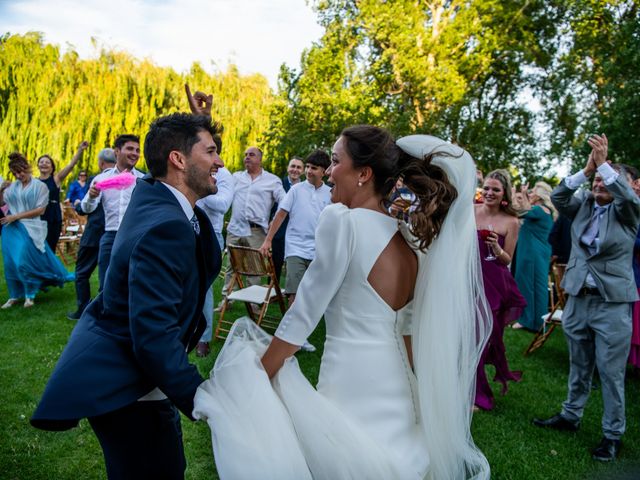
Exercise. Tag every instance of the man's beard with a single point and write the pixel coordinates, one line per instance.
(199, 183)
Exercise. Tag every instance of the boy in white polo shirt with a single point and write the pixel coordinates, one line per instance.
(303, 203)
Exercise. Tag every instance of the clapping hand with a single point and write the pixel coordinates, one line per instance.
(4, 185)
(590, 168)
(200, 103)
(599, 147)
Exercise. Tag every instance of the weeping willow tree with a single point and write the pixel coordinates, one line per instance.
(50, 102)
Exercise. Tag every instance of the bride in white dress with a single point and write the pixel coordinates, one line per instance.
(404, 332)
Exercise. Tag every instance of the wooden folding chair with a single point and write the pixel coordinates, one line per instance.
(246, 262)
(552, 319)
(72, 227)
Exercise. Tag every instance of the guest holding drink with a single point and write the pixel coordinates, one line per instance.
(498, 226)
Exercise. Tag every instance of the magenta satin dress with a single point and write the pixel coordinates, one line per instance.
(507, 304)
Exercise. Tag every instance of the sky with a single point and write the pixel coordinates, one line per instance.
(257, 35)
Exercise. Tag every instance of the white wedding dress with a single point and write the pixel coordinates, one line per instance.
(364, 419)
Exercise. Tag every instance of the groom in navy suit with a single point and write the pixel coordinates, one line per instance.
(125, 367)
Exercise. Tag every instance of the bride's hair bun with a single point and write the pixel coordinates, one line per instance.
(434, 193)
(375, 147)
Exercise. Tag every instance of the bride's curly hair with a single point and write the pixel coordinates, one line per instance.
(374, 147)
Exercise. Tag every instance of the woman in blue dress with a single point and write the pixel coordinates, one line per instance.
(29, 263)
(52, 179)
(534, 253)
(78, 188)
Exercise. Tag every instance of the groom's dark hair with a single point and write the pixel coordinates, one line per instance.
(178, 131)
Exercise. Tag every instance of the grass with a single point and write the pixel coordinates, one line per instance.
(31, 341)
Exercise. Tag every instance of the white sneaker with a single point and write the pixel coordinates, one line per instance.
(9, 303)
(307, 347)
(28, 302)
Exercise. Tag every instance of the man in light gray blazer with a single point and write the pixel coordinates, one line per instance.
(601, 288)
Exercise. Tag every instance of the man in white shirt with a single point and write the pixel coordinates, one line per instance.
(255, 192)
(114, 201)
(215, 206)
(303, 204)
(295, 169)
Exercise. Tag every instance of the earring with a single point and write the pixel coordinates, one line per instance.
(359, 184)
(504, 203)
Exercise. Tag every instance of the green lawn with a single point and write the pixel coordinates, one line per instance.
(31, 340)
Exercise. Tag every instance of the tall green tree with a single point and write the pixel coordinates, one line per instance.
(50, 102)
(593, 83)
(454, 68)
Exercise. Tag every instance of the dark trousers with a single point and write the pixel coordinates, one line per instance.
(277, 254)
(141, 440)
(104, 256)
(53, 234)
(85, 265)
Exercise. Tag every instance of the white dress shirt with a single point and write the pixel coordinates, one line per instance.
(253, 200)
(215, 206)
(114, 201)
(304, 203)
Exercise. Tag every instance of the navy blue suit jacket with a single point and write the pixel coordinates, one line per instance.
(136, 334)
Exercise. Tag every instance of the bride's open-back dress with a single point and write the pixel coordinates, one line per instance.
(363, 421)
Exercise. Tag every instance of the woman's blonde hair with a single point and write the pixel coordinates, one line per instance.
(543, 191)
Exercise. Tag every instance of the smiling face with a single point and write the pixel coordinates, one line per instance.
(601, 195)
(314, 174)
(127, 156)
(342, 174)
(492, 192)
(202, 163)
(45, 165)
(294, 170)
(23, 175)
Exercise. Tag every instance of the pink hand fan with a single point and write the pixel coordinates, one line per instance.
(119, 182)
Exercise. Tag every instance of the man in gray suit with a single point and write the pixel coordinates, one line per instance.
(601, 288)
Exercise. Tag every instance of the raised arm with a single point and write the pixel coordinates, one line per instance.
(62, 174)
(563, 197)
(200, 103)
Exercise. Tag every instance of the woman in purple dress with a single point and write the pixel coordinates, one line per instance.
(498, 225)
